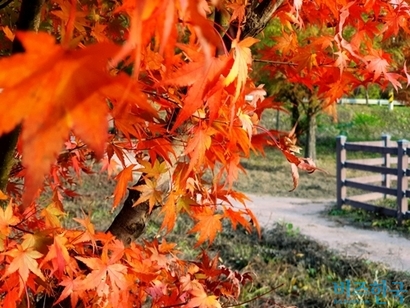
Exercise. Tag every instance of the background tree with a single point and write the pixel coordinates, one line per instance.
(173, 76)
(294, 58)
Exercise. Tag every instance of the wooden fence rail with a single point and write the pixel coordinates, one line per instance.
(393, 153)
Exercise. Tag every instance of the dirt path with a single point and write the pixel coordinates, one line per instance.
(377, 246)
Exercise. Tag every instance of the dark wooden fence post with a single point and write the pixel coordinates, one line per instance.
(340, 170)
(386, 163)
(402, 182)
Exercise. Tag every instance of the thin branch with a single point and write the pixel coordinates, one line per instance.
(162, 95)
(258, 16)
(21, 229)
(275, 62)
(3, 5)
(254, 298)
(176, 305)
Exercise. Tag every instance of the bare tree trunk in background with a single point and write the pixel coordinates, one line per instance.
(367, 95)
(28, 20)
(295, 117)
(310, 150)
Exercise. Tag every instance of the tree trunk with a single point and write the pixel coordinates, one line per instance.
(257, 16)
(367, 95)
(130, 222)
(310, 150)
(295, 118)
(29, 20)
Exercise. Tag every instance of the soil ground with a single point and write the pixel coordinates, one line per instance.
(392, 250)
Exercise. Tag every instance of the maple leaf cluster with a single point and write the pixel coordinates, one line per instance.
(160, 73)
(94, 268)
(340, 47)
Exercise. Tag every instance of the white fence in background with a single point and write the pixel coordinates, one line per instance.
(362, 101)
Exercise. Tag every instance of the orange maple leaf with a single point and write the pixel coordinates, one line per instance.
(85, 236)
(52, 214)
(208, 225)
(122, 178)
(238, 12)
(200, 298)
(58, 255)
(149, 192)
(69, 285)
(101, 270)
(305, 59)
(377, 63)
(286, 43)
(237, 217)
(7, 218)
(24, 262)
(170, 214)
(52, 90)
(80, 18)
(198, 144)
(202, 76)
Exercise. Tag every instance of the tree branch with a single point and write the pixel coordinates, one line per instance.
(258, 16)
(130, 222)
(274, 62)
(3, 5)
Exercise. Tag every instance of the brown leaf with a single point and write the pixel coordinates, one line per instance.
(295, 176)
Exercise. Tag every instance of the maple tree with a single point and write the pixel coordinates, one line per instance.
(173, 76)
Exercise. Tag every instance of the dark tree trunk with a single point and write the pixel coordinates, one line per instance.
(257, 16)
(29, 20)
(130, 222)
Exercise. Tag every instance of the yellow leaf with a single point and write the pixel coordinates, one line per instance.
(243, 58)
(7, 218)
(200, 299)
(51, 213)
(3, 196)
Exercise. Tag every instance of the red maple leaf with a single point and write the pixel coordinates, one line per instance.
(53, 90)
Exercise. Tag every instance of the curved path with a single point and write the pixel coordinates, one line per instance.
(378, 246)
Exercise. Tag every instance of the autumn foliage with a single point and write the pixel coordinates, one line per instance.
(175, 90)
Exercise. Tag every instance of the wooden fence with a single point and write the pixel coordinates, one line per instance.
(393, 153)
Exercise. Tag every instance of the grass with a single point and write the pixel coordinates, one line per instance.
(369, 220)
(301, 271)
(271, 175)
